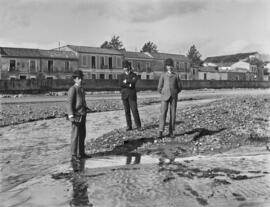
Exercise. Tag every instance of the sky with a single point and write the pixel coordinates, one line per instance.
(215, 27)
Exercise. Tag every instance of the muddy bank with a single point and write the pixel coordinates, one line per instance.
(30, 152)
(28, 112)
(222, 125)
(32, 108)
(31, 149)
(236, 178)
(17, 112)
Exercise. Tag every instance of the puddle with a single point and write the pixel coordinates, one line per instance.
(135, 180)
(114, 161)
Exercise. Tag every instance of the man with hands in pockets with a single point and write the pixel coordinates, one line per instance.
(169, 86)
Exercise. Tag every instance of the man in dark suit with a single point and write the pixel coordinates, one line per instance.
(77, 110)
(127, 81)
(169, 86)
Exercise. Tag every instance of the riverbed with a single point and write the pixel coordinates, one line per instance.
(35, 167)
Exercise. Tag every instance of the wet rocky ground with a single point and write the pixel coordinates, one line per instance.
(17, 113)
(219, 157)
(222, 125)
(19, 109)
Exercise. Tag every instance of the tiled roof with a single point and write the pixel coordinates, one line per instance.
(229, 58)
(36, 53)
(58, 54)
(96, 50)
(228, 64)
(19, 52)
(164, 56)
(208, 69)
(137, 55)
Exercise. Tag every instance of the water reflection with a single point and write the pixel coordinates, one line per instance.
(79, 183)
(137, 159)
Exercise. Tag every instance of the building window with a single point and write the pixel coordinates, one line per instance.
(12, 65)
(50, 66)
(193, 71)
(148, 68)
(66, 65)
(177, 65)
(110, 76)
(138, 67)
(94, 76)
(119, 65)
(101, 76)
(84, 60)
(32, 66)
(147, 77)
(93, 58)
(205, 76)
(139, 77)
(182, 66)
(102, 62)
(110, 63)
(186, 68)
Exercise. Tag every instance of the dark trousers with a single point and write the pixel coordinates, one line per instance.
(163, 113)
(131, 104)
(78, 133)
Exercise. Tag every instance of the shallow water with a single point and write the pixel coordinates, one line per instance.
(29, 153)
(31, 149)
(134, 180)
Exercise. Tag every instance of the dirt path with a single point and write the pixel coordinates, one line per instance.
(30, 151)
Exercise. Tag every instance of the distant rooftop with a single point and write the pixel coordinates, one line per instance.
(164, 56)
(229, 58)
(139, 55)
(208, 69)
(58, 54)
(19, 52)
(35, 53)
(97, 50)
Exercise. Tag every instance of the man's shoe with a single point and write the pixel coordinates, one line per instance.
(171, 134)
(128, 129)
(85, 156)
(139, 128)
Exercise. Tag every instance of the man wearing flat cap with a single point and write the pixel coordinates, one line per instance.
(77, 110)
(169, 86)
(127, 82)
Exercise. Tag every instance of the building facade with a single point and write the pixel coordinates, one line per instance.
(240, 66)
(141, 63)
(181, 64)
(22, 63)
(211, 73)
(97, 63)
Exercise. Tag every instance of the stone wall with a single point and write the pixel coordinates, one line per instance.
(39, 86)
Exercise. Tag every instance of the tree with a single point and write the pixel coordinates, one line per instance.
(106, 44)
(149, 47)
(256, 61)
(194, 56)
(115, 43)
